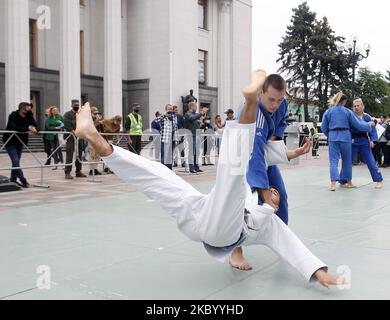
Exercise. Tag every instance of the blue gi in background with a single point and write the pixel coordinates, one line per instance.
(337, 124)
(258, 176)
(361, 144)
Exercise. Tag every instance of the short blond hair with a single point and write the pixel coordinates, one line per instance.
(359, 100)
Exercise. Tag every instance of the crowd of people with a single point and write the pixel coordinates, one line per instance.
(172, 127)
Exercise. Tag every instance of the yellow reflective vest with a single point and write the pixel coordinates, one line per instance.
(135, 125)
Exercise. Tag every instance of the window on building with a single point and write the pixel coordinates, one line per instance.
(202, 59)
(202, 14)
(33, 42)
(82, 51)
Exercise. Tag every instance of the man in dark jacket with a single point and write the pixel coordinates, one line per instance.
(192, 123)
(180, 126)
(24, 123)
(70, 126)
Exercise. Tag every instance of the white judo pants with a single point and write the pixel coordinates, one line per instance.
(217, 218)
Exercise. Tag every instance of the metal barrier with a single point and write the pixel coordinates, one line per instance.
(154, 143)
(40, 164)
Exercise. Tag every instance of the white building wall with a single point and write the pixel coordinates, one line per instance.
(138, 39)
(124, 40)
(242, 48)
(160, 42)
(2, 31)
(184, 49)
(48, 40)
(94, 38)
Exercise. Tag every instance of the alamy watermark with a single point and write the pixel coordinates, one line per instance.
(44, 278)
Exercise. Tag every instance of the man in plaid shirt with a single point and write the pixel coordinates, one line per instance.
(169, 136)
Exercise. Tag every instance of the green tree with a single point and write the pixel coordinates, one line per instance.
(296, 53)
(374, 90)
(329, 64)
(388, 76)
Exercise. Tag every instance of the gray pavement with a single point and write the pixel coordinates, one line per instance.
(103, 240)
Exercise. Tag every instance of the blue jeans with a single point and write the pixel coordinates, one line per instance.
(167, 154)
(15, 153)
(193, 156)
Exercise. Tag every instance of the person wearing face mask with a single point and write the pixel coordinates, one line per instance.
(24, 123)
(70, 126)
(134, 127)
(169, 136)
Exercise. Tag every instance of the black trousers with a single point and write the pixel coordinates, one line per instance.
(47, 147)
(316, 145)
(70, 148)
(136, 145)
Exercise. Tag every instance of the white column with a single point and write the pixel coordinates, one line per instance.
(112, 58)
(70, 83)
(17, 63)
(224, 55)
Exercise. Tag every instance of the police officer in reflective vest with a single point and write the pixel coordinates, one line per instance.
(315, 136)
(134, 126)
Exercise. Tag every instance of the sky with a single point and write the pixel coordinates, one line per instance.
(368, 20)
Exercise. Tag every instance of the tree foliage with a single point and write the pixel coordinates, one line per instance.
(374, 91)
(296, 52)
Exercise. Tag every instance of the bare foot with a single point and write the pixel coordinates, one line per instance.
(252, 92)
(379, 185)
(238, 261)
(348, 185)
(333, 186)
(85, 126)
(328, 280)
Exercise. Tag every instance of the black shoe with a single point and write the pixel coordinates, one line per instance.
(198, 170)
(97, 173)
(80, 175)
(183, 165)
(24, 184)
(174, 165)
(68, 176)
(193, 172)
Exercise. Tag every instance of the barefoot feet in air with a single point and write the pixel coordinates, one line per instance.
(85, 127)
(252, 92)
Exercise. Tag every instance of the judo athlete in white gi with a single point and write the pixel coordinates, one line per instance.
(224, 218)
(337, 124)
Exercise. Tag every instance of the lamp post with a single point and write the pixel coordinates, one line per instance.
(354, 57)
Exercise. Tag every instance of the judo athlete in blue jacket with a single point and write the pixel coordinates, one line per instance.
(337, 124)
(363, 143)
(271, 124)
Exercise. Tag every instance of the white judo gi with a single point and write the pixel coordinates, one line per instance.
(229, 215)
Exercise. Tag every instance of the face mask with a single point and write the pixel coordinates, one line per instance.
(136, 110)
(76, 109)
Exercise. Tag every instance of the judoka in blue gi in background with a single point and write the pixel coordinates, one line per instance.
(362, 143)
(337, 124)
(271, 124)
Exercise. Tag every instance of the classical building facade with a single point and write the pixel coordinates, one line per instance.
(117, 52)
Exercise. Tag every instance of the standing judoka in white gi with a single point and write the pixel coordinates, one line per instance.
(223, 219)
